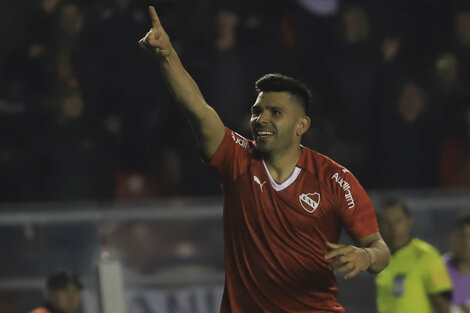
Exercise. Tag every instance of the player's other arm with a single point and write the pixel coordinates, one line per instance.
(377, 251)
(208, 127)
(371, 254)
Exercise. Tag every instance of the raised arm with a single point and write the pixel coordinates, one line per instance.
(207, 126)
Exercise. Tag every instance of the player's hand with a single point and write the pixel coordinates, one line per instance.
(347, 259)
(156, 41)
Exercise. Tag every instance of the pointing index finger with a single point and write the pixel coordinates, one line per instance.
(154, 17)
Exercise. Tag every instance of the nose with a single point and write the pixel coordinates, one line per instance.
(262, 118)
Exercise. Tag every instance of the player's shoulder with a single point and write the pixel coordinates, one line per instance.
(320, 164)
(239, 139)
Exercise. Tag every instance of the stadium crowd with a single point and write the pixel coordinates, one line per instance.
(79, 122)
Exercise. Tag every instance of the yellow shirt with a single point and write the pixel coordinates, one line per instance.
(416, 271)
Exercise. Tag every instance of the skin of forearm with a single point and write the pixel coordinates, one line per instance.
(182, 87)
(379, 255)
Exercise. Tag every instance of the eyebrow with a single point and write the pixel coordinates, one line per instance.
(269, 107)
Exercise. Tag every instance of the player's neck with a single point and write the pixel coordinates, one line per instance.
(281, 165)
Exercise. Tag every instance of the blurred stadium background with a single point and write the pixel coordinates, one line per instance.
(97, 166)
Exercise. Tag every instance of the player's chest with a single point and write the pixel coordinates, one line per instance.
(302, 200)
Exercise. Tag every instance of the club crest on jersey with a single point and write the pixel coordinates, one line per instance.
(309, 201)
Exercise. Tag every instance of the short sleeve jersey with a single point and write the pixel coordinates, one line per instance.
(275, 234)
(415, 272)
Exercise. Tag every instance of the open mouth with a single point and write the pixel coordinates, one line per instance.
(260, 134)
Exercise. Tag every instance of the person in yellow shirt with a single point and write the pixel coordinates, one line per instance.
(416, 280)
(62, 293)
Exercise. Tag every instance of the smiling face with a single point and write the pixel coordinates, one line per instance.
(277, 122)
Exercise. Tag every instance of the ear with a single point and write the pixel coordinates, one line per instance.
(303, 125)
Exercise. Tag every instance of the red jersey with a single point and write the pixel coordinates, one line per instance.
(275, 234)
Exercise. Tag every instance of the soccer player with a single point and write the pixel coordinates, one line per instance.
(284, 204)
(416, 279)
(458, 265)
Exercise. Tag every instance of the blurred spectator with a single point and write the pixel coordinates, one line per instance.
(351, 72)
(120, 93)
(461, 41)
(458, 265)
(447, 95)
(67, 55)
(462, 20)
(138, 186)
(407, 150)
(70, 160)
(236, 50)
(27, 69)
(424, 25)
(224, 81)
(446, 73)
(63, 292)
(70, 157)
(416, 279)
(442, 95)
(26, 80)
(391, 48)
(240, 46)
(455, 153)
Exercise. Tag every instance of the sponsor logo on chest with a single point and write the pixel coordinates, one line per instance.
(258, 181)
(309, 201)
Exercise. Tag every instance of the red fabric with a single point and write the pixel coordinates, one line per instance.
(274, 247)
(455, 164)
